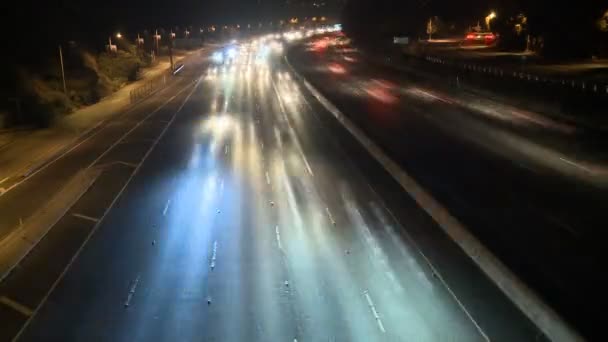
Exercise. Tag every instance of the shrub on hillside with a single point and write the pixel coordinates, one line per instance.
(41, 101)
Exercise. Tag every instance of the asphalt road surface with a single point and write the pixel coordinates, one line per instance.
(245, 218)
(532, 188)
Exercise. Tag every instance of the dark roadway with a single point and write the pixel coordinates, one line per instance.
(531, 188)
(249, 216)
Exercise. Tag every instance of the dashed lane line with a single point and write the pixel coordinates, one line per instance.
(85, 217)
(132, 290)
(22, 309)
(372, 307)
(166, 207)
(92, 232)
(542, 315)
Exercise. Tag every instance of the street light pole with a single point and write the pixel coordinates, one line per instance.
(171, 50)
(156, 39)
(65, 89)
(489, 18)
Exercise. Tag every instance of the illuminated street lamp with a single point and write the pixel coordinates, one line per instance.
(140, 41)
(157, 40)
(489, 18)
(111, 47)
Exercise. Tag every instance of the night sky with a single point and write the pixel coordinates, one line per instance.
(42, 25)
(78, 15)
(38, 24)
(72, 19)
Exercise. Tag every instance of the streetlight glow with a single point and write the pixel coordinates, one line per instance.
(489, 18)
(118, 35)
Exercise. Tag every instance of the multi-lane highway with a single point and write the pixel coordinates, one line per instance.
(530, 186)
(235, 213)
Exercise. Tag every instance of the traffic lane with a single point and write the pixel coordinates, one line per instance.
(549, 142)
(318, 309)
(182, 252)
(326, 303)
(366, 233)
(31, 280)
(22, 201)
(29, 283)
(332, 303)
(561, 242)
(529, 138)
(389, 118)
(163, 291)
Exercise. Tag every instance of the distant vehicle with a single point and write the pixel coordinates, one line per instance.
(480, 38)
(225, 56)
(403, 40)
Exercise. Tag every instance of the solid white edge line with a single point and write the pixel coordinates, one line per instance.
(75, 143)
(543, 316)
(298, 146)
(108, 209)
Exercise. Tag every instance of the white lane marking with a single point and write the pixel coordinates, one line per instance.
(137, 125)
(213, 255)
(226, 150)
(331, 217)
(122, 190)
(277, 135)
(31, 174)
(133, 165)
(543, 316)
(308, 168)
(278, 234)
(132, 290)
(4, 180)
(291, 130)
(261, 146)
(577, 165)
(372, 307)
(222, 185)
(22, 309)
(135, 141)
(267, 178)
(563, 225)
(166, 207)
(85, 217)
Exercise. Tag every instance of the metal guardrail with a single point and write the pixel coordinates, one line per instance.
(571, 99)
(563, 83)
(148, 88)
